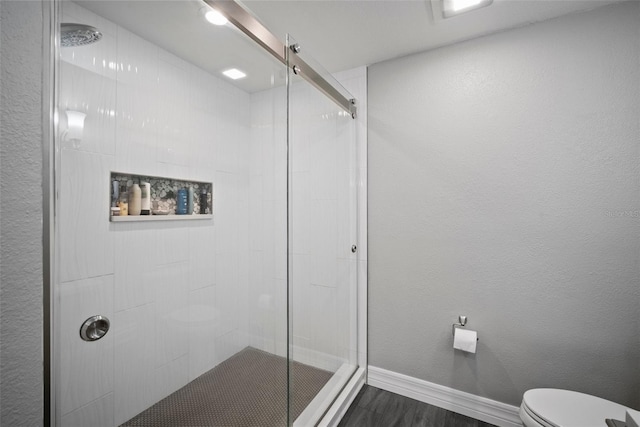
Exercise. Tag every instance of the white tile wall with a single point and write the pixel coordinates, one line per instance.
(227, 345)
(171, 290)
(204, 315)
(323, 243)
(86, 368)
(204, 129)
(100, 411)
(134, 273)
(172, 243)
(86, 244)
(266, 316)
(303, 326)
(99, 58)
(202, 240)
(173, 112)
(172, 312)
(94, 95)
(226, 210)
(134, 373)
(172, 376)
(227, 293)
(137, 104)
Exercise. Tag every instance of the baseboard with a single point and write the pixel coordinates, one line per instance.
(468, 404)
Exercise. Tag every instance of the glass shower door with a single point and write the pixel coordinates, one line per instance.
(322, 241)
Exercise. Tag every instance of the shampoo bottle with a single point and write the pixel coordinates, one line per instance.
(115, 193)
(190, 201)
(123, 203)
(135, 199)
(181, 202)
(145, 202)
(203, 201)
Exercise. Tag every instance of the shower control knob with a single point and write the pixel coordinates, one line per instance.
(94, 328)
(354, 248)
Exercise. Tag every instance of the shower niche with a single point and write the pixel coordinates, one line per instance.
(164, 194)
(252, 322)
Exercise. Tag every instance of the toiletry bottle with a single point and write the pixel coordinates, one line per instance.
(203, 201)
(181, 202)
(123, 203)
(145, 198)
(115, 193)
(135, 196)
(190, 201)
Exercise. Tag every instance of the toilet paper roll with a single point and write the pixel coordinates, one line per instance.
(465, 340)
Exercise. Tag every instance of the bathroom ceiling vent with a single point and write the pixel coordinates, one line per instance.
(455, 7)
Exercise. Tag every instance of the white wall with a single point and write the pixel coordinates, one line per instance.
(172, 290)
(504, 186)
(21, 314)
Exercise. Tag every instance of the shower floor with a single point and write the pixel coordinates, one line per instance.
(247, 390)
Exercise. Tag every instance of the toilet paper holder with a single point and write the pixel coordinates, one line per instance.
(462, 322)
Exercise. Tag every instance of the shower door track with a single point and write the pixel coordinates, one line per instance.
(250, 26)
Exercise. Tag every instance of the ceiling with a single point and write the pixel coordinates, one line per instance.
(339, 34)
(343, 34)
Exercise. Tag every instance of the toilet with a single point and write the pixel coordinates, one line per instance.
(548, 407)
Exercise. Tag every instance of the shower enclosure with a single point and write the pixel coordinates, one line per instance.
(230, 294)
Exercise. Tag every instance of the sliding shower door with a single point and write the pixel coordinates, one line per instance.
(322, 240)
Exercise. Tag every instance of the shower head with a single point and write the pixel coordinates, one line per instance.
(78, 35)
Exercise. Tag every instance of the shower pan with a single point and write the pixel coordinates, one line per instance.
(235, 297)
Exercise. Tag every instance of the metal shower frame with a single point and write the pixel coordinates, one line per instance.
(250, 26)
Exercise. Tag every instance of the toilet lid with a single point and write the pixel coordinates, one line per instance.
(564, 408)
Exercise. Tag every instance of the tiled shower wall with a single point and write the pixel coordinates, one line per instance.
(267, 296)
(172, 290)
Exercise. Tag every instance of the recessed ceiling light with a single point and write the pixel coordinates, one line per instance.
(455, 7)
(234, 74)
(215, 17)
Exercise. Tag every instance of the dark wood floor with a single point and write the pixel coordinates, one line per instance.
(374, 407)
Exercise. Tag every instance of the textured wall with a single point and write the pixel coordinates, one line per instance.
(503, 179)
(21, 392)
